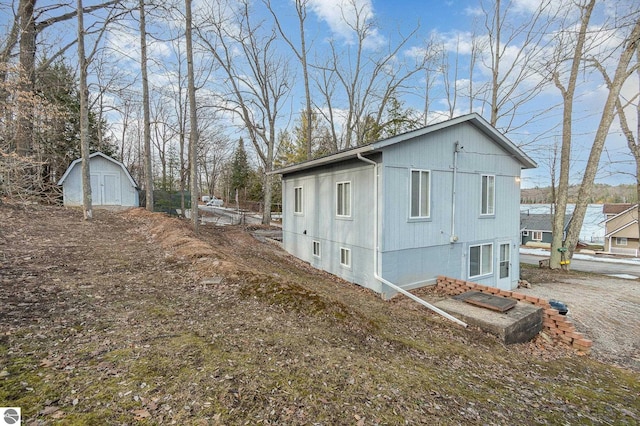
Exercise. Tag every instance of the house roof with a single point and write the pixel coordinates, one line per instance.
(540, 222)
(616, 208)
(474, 119)
(97, 154)
(613, 216)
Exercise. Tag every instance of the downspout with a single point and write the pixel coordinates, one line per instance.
(375, 251)
(453, 237)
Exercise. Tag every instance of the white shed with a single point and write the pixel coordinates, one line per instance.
(111, 183)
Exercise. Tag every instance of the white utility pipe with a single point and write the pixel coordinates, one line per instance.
(375, 252)
(453, 237)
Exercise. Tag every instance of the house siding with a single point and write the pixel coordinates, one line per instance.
(319, 221)
(412, 251)
(419, 250)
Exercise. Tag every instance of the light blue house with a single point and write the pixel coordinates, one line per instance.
(440, 200)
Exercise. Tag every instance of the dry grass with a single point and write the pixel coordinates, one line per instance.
(133, 319)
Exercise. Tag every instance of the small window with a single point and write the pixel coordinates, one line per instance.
(316, 248)
(536, 235)
(345, 257)
(621, 241)
(420, 193)
(343, 199)
(297, 197)
(488, 194)
(525, 233)
(480, 260)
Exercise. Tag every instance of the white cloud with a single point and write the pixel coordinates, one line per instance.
(342, 16)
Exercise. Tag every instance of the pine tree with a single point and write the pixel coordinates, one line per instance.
(240, 169)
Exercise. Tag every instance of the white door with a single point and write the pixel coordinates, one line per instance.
(111, 189)
(96, 189)
(504, 266)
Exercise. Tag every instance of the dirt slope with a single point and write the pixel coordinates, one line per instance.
(132, 319)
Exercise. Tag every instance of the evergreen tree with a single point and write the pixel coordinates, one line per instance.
(57, 136)
(240, 169)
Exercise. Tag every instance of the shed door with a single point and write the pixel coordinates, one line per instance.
(96, 189)
(111, 189)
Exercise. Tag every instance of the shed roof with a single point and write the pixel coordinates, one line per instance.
(97, 154)
(474, 119)
(540, 222)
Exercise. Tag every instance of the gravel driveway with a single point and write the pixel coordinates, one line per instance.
(605, 309)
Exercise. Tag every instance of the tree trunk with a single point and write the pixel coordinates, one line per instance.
(24, 130)
(565, 151)
(193, 120)
(608, 114)
(148, 169)
(84, 119)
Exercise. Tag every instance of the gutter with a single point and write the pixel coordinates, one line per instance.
(376, 265)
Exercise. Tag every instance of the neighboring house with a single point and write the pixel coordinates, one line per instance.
(621, 231)
(610, 210)
(536, 229)
(111, 183)
(440, 200)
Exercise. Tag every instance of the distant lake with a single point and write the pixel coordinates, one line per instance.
(592, 228)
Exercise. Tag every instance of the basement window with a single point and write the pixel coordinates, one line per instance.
(345, 257)
(316, 248)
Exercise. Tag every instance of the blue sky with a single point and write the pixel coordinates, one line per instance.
(450, 23)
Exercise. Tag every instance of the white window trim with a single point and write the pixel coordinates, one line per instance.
(620, 239)
(349, 198)
(314, 252)
(348, 252)
(485, 274)
(295, 190)
(525, 233)
(428, 215)
(533, 235)
(492, 210)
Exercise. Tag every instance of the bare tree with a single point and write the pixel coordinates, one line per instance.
(84, 118)
(28, 32)
(302, 54)
(256, 79)
(365, 75)
(515, 77)
(148, 169)
(193, 118)
(568, 93)
(614, 85)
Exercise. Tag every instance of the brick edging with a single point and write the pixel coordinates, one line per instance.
(558, 326)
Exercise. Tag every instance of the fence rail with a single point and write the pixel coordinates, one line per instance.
(624, 251)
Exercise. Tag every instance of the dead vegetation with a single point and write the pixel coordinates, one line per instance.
(132, 319)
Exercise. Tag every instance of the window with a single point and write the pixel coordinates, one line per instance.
(621, 241)
(420, 193)
(480, 260)
(488, 194)
(316, 248)
(297, 200)
(525, 233)
(536, 235)
(343, 199)
(345, 257)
